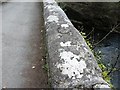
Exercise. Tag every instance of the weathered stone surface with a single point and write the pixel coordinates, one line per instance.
(72, 64)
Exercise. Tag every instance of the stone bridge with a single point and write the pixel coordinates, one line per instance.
(28, 40)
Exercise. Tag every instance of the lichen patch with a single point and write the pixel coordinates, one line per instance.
(53, 18)
(49, 1)
(102, 86)
(68, 43)
(51, 7)
(70, 65)
(64, 26)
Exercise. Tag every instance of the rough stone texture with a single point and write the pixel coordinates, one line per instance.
(72, 64)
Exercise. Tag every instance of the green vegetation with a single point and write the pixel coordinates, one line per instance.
(45, 67)
(105, 70)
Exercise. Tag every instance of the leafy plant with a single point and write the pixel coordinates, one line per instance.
(98, 54)
(45, 67)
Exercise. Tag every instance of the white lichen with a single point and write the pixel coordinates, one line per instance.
(49, 1)
(47, 29)
(102, 86)
(53, 18)
(93, 72)
(45, 22)
(64, 25)
(51, 10)
(85, 49)
(68, 43)
(51, 7)
(71, 65)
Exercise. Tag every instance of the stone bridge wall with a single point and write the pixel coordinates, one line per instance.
(71, 62)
